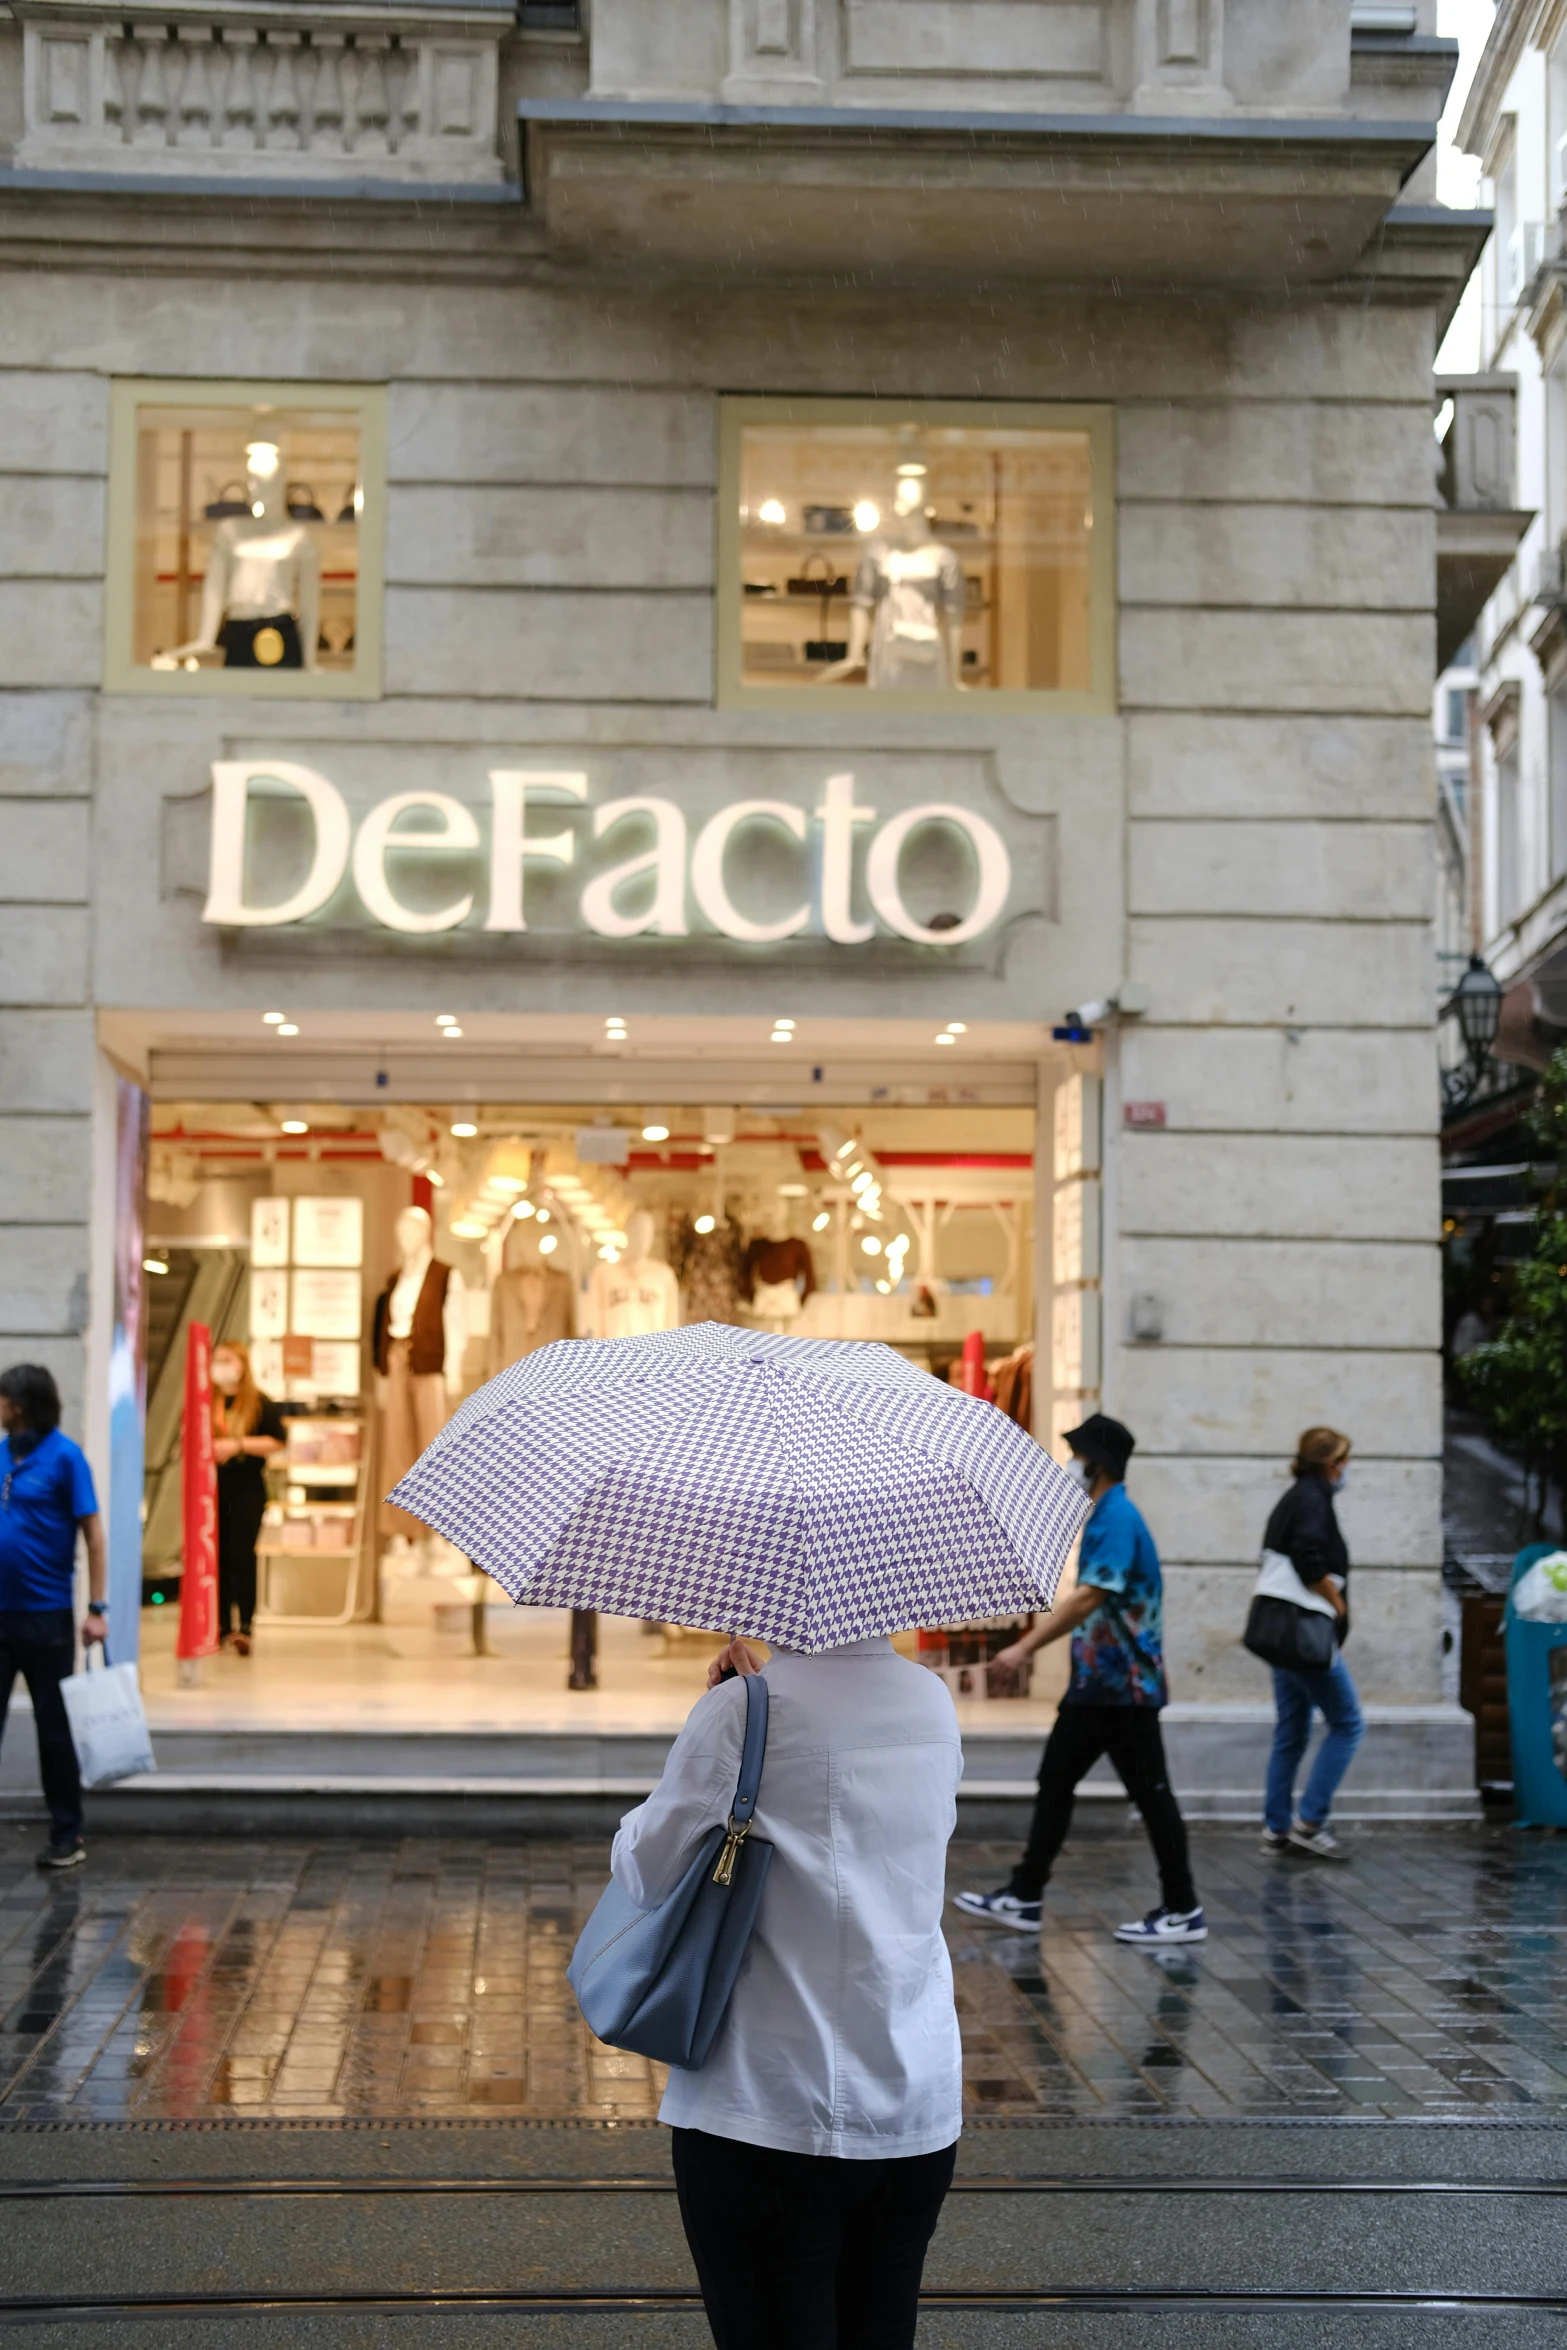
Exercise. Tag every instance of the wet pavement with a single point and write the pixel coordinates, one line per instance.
(181, 1978)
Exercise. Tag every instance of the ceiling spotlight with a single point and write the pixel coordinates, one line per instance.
(871, 1245)
(782, 1036)
(547, 1245)
(543, 1215)
(448, 1033)
(445, 1019)
(945, 1039)
(609, 1253)
(274, 1019)
(821, 1222)
(522, 1210)
(463, 1131)
(433, 1175)
(707, 1224)
(288, 1028)
(294, 1125)
(793, 1191)
(468, 1228)
(771, 510)
(957, 1028)
(785, 1023)
(884, 1288)
(911, 472)
(866, 516)
(153, 1265)
(655, 1133)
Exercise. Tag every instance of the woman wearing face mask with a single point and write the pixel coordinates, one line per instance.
(1304, 1530)
(247, 1429)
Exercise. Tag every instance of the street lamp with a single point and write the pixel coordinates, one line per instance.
(1476, 1004)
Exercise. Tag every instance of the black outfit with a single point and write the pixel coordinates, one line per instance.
(807, 2251)
(40, 1644)
(238, 639)
(242, 1501)
(1304, 1529)
(1130, 1736)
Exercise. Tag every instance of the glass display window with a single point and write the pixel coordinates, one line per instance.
(916, 553)
(245, 535)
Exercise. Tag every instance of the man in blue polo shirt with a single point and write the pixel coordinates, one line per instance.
(1111, 1707)
(46, 1499)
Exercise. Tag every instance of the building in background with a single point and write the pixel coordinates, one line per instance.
(821, 614)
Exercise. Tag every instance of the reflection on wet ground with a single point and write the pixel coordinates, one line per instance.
(185, 1978)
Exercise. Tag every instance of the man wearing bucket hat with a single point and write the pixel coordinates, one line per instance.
(1112, 1702)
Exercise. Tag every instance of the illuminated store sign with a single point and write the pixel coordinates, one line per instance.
(755, 870)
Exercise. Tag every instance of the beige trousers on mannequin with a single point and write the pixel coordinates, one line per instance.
(412, 1417)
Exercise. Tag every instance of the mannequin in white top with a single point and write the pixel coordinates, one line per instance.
(906, 611)
(639, 1294)
(421, 1331)
(261, 598)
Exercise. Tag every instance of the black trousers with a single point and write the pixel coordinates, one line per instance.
(40, 1644)
(239, 1528)
(807, 2251)
(1129, 1735)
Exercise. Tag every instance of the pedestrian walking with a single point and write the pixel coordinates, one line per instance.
(46, 1500)
(815, 1495)
(247, 1429)
(1303, 1533)
(1112, 1703)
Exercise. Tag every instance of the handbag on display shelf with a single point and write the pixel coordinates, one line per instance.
(657, 1981)
(1288, 1626)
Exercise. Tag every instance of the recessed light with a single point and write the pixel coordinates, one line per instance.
(153, 1265)
(294, 1125)
(463, 1131)
(771, 510)
(655, 1133)
(522, 1210)
(781, 1036)
(944, 1039)
(451, 1033)
(884, 1288)
(547, 1245)
(794, 1191)
(707, 1224)
(871, 1245)
(866, 515)
(821, 1222)
(445, 1019)
(957, 1028)
(288, 1028)
(432, 1176)
(543, 1215)
(786, 1024)
(466, 1228)
(274, 1019)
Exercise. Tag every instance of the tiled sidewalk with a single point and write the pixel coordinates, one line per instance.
(180, 1978)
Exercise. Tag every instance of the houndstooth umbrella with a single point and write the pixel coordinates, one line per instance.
(805, 1491)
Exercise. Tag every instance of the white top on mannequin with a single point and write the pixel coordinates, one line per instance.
(414, 1246)
(637, 1296)
(261, 565)
(906, 613)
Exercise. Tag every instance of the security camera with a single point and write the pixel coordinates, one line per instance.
(1093, 1014)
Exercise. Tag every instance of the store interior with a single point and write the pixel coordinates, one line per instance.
(338, 1241)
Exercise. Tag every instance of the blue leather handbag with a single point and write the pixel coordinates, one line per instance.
(657, 1981)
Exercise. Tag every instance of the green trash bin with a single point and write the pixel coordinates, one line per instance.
(1537, 1701)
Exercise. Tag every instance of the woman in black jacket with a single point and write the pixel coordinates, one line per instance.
(1304, 1530)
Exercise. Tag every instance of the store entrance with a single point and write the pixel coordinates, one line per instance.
(380, 1261)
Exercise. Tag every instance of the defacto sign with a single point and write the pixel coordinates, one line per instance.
(539, 850)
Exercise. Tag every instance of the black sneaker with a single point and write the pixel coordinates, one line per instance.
(1000, 1909)
(59, 1856)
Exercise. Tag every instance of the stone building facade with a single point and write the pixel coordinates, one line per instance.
(553, 255)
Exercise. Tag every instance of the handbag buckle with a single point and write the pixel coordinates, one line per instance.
(737, 1834)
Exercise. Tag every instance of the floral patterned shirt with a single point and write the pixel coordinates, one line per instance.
(1118, 1651)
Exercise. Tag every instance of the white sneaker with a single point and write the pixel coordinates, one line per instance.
(1000, 1909)
(1320, 1842)
(1273, 1842)
(1163, 1926)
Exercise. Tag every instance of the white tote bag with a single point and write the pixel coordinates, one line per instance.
(108, 1724)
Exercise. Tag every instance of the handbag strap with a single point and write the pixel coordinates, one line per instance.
(748, 1785)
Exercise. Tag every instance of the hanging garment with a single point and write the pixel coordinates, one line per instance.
(530, 1306)
(911, 594)
(414, 1308)
(772, 1261)
(1014, 1383)
(413, 1413)
(629, 1301)
(707, 1265)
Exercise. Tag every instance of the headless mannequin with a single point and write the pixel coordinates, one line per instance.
(906, 616)
(261, 597)
(413, 1397)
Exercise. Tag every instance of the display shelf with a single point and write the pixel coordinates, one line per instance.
(312, 1499)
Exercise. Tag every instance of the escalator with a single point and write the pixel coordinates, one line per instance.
(201, 1285)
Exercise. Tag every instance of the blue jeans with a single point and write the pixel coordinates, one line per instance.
(1332, 1694)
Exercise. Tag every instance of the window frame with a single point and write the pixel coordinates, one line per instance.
(1098, 699)
(123, 674)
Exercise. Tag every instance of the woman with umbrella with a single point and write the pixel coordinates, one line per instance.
(816, 1496)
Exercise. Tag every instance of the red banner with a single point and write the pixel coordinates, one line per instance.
(199, 1584)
